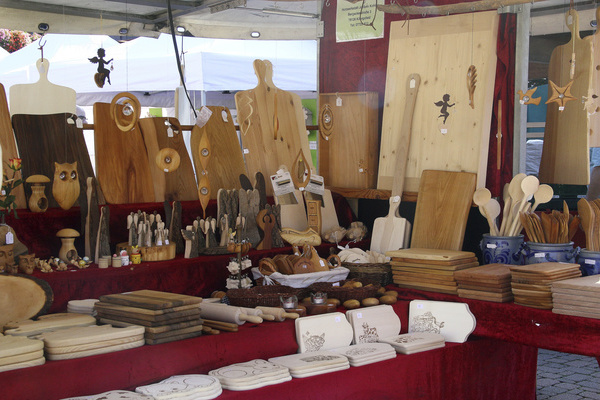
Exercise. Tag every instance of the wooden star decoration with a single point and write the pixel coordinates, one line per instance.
(560, 95)
(527, 97)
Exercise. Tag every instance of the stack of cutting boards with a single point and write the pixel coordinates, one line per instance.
(20, 352)
(166, 316)
(197, 387)
(577, 296)
(429, 269)
(251, 375)
(367, 353)
(113, 395)
(82, 306)
(47, 323)
(323, 332)
(311, 364)
(84, 341)
(489, 282)
(416, 342)
(532, 284)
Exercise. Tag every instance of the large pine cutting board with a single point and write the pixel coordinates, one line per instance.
(565, 155)
(46, 139)
(442, 209)
(174, 185)
(594, 106)
(349, 139)
(121, 161)
(226, 162)
(272, 125)
(9, 147)
(441, 49)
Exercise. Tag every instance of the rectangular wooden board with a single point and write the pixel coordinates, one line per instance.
(430, 288)
(544, 270)
(349, 144)
(440, 49)
(479, 295)
(438, 267)
(588, 283)
(437, 255)
(486, 273)
(150, 299)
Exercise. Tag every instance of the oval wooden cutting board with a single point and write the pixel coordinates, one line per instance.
(177, 185)
(121, 161)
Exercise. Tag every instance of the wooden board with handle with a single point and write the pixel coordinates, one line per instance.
(8, 147)
(439, 255)
(44, 140)
(173, 184)
(594, 100)
(226, 161)
(43, 96)
(441, 49)
(121, 161)
(349, 139)
(565, 154)
(443, 209)
(271, 122)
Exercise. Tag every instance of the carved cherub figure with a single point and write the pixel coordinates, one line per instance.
(444, 104)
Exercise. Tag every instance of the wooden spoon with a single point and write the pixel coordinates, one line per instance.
(481, 197)
(543, 195)
(492, 209)
(587, 216)
(529, 185)
(507, 204)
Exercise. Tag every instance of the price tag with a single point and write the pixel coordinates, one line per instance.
(246, 151)
(282, 183)
(359, 315)
(335, 284)
(322, 263)
(316, 185)
(10, 239)
(419, 306)
(444, 131)
(338, 319)
(491, 246)
(169, 132)
(338, 101)
(591, 262)
(224, 115)
(203, 116)
(539, 255)
(79, 123)
(561, 108)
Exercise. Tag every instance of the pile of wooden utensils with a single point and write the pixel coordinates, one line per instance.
(516, 197)
(554, 227)
(589, 212)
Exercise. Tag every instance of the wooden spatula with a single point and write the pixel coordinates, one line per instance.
(587, 216)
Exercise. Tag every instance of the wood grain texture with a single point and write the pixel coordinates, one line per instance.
(264, 113)
(46, 139)
(121, 162)
(348, 158)
(226, 161)
(9, 147)
(440, 51)
(442, 209)
(594, 94)
(179, 184)
(16, 288)
(565, 156)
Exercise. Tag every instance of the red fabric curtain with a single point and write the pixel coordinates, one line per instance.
(504, 90)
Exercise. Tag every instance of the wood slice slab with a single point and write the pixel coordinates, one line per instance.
(121, 163)
(446, 41)
(226, 161)
(349, 140)
(9, 147)
(46, 139)
(565, 155)
(48, 323)
(169, 184)
(23, 297)
(102, 350)
(586, 283)
(437, 255)
(442, 209)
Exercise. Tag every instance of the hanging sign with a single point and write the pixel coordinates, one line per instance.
(358, 20)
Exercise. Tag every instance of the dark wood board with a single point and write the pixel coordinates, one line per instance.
(9, 147)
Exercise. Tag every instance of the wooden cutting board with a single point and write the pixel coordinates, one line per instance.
(546, 270)
(594, 106)
(162, 318)
(68, 349)
(430, 287)
(487, 296)
(15, 345)
(453, 320)
(271, 122)
(155, 329)
(441, 50)
(442, 209)
(137, 310)
(102, 350)
(42, 97)
(563, 298)
(565, 155)
(34, 355)
(486, 273)
(585, 314)
(178, 184)
(586, 283)
(175, 332)
(421, 266)
(46, 139)
(226, 162)
(323, 332)
(425, 277)
(416, 262)
(23, 297)
(349, 139)
(486, 289)
(173, 338)
(122, 164)
(443, 272)
(151, 299)
(9, 147)
(446, 256)
(137, 321)
(373, 323)
(88, 334)
(47, 323)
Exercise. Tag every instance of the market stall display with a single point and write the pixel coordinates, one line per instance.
(489, 282)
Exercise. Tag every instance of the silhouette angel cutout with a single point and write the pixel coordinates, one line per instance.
(445, 105)
(103, 73)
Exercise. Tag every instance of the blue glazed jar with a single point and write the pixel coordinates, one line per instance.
(501, 249)
(589, 262)
(535, 253)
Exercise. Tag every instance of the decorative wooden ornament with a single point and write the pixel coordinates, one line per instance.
(326, 121)
(126, 116)
(471, 81)
(301, 171)
(203, 182)
(103, 73)
(65, 187)
(527, 97)
(560, 95)
(38, 202)
(168, 159)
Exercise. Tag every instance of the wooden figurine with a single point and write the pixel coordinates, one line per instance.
(65, 187)
(27, 263)
(67, 251)
(7, 260)
(38, 202)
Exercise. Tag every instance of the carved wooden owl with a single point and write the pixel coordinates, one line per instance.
(65, 187)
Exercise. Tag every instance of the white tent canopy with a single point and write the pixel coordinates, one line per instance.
(149, 65)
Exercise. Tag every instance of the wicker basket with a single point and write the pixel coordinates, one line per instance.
(345, 293)
(380, 273)
(268, 296)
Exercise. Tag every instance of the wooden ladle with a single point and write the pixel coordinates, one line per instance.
(543, 195)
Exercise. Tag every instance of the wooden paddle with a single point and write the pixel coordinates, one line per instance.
(392, 232)
(9, 148)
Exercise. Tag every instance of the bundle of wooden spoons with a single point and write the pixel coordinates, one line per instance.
(589, 212)
(554, 227)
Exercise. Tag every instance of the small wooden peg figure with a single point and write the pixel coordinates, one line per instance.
(444, 104)
(103, 73)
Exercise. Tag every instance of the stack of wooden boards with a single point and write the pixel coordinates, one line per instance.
(429, 269)
(489, 282)
(113, 395)
(20, 352)
(366, 353)
(577, 296)
(82, 306)
(311, 364)
(197, 387)
(166, 316)
(251, 375)
(532, 284)
(47, 323)
(416, 342)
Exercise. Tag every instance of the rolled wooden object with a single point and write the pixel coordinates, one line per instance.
(253, 311)
(279, 313)
(222, 326)
(227, 313)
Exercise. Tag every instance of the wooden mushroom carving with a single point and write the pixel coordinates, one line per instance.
(67, 250)
(38, 202)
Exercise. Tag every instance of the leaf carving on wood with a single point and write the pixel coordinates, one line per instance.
(471, 81)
